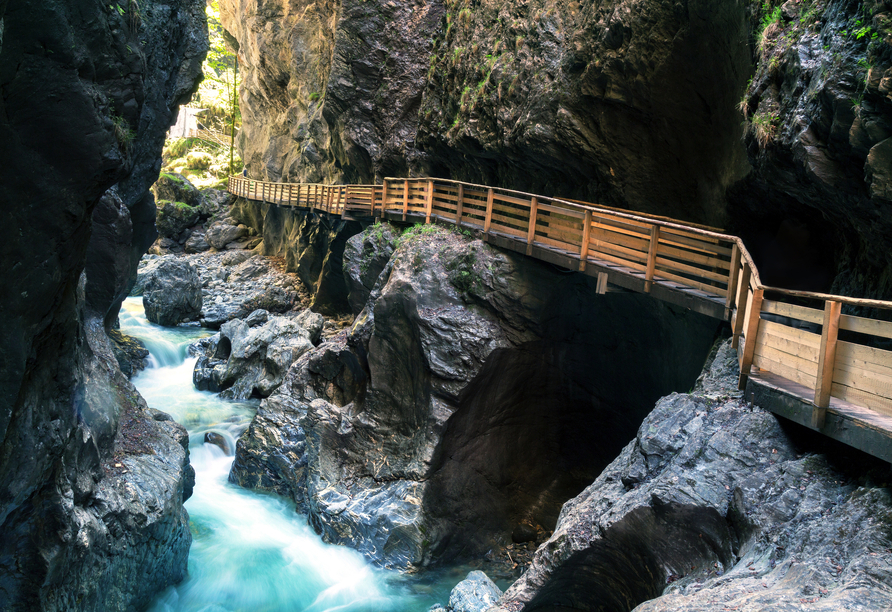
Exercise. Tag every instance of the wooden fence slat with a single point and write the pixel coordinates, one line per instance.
(749, 347)
(651, 257)
(741, 305)
(488, 219)
(586, 236)
(531, 231)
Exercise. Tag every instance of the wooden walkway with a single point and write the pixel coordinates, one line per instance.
(799, 355)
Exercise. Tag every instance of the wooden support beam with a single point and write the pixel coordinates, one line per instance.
(743, 292)
(429, 204)
(531, 232)
(602, 283)
(732, 276)
(651, 258)
(488, 219)
(749, 347)
(405, 198)
(826, 360)
(583, 247)
(459, 204)
(383, 200)
(342, 199)
(344, 207)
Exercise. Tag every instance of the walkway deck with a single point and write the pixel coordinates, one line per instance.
(792, 357)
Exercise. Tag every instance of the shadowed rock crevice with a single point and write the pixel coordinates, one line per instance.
(629, 564)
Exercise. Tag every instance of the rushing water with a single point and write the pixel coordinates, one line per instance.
(252, 552)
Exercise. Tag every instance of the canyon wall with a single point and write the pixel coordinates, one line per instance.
(91, 480)
(639, 104)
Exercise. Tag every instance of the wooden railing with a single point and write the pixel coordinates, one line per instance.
(779, 335)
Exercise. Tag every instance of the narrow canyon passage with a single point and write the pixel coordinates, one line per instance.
(252, 551)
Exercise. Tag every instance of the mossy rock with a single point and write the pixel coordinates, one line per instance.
(174, 217)
(176, 188)
(199, 160)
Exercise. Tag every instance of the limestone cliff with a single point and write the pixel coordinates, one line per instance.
(87, 92)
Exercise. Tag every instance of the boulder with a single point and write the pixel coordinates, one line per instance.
(476, 593)
(251, 360)
(172, 292)
(174, 217)
(365, 256)
(215, 203)
(221, 233)
(196, 244)
(176, 188)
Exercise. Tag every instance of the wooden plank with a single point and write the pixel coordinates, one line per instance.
(779, 368)
(383, 200)
(621, 228)
(405, 199)
(430, 201)
(782, 309)
(798, 336)
(699, 272)
(752, 328)
(559, 234)
(785, 344)
(569, 212)
(521, 217)
(558, 244)
(863, 398)
(804, 366)
(488, 219)
(872, 327)
(599, 235)
(630, 254)
(572, 226)
(693, 284)
(594, 256)
(651, 257)
(531, 231)
(602, 282)
(865, 357)
(507, 229)
(583, 247)
(694, 241)
(502, 197)
(865, 380)
(510, 222)
(741, 303)
(459, 204)
(827, 355)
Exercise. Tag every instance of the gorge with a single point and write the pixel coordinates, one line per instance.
(425, 397)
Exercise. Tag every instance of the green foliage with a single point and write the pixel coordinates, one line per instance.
(124, 134)
(770, 16)
(313, 97)
(764, 126)
(462, 273)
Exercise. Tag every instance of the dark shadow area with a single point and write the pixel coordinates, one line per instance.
(541, 421)
(630, 563)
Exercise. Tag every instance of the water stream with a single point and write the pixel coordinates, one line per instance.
(252, 552)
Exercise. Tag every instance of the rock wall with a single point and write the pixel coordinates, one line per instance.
(815, 207)
(477, 390)
(92, 520)
(312, 245)
(716, 504)
(627, 103)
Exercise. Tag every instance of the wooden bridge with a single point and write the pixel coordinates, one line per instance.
(799, 355)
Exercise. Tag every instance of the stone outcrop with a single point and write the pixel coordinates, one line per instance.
(479, 390)
(171, 292)
(252, 356)
(365, 257)
(312, 245)
(716, 505)
(88, 95)
(476, 593)
(175, 217)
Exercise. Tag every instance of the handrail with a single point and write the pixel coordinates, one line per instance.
(653, 254)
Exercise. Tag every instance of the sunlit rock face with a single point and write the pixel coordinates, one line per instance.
(88, 92)
(478, 390)
(626, 103)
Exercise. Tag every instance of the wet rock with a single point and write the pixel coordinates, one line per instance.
(221, 233)
(727, 511)
(256, 357)
(174, 217)
(130, 353)
(174, 187)
(476, 593)
(365, 257)
(257, 317)
(172, 292)
(220, 441)
(215, 203)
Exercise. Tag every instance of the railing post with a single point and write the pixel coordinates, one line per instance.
(429, 204)
(383, 198)
(488, 219)
(405, 199)
(586, 235)
(732, 278)
(749, 347)
(344, 208)
(342, 198)
(459, 204)
(743, 292)
(826, 361)
(651, 258)
(531, 232)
